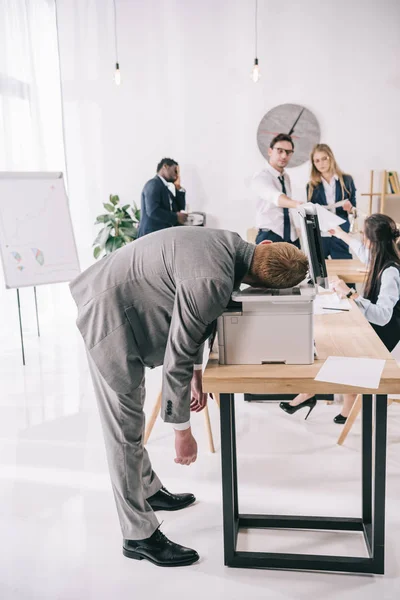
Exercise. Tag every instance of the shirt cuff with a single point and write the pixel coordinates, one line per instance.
(362, 302)
(181, 426)
(197, 367)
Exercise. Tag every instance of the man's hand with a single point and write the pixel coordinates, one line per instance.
(177, 182)
(198, 399)
(348, 206)
(182, 217)
(185, 447)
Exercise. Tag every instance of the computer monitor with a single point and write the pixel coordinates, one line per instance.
(312, 244)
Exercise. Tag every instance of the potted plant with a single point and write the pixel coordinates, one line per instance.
(119, 229)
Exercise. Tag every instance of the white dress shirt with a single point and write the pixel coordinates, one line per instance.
(389, 293)
(169, 186)
(330, 194)
(268, 188)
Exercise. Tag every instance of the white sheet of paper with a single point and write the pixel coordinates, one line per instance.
(327, 220)
(324, 303)
(360, 372)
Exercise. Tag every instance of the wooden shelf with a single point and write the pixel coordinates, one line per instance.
(383, 194)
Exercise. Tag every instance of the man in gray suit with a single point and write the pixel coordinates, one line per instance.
(154, 302)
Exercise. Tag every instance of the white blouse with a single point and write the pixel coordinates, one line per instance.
(389, 294)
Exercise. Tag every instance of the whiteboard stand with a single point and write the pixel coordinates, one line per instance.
(20, 322)
(37, 315)
(20, 328)
(37, 243)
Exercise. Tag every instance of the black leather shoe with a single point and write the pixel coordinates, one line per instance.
(340, 419)
(164, 500)
(159, 550)
(288, 408)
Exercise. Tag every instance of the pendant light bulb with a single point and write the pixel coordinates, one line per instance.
(117, 74)
(255, 74)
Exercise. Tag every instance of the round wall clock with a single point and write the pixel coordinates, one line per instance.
(295, 120)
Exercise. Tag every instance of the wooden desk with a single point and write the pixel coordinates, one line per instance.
(344, 334)
(351, 271)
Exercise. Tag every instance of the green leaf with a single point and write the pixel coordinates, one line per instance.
(98, 237)
(96, 252)
(102, 219)
(113, 243)
(128, 239)
(105, 235)
(109, 245)
(130, 231)
(114, 199)
(136, 214)
(109, 207)
(125, 207)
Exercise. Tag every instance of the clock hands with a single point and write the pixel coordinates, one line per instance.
(296, 121)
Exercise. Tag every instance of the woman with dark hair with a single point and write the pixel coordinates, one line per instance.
(380, 303)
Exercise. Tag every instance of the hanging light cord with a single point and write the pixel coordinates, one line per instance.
(115, 32)
(255, 27)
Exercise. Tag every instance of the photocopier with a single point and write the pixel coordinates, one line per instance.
(267, 326)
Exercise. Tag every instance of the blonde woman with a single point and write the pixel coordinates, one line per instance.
(329, 185)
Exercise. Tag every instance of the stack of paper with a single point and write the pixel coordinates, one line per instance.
(330, 304)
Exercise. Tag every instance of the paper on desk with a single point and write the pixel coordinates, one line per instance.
(323, 304)
(360, 372)
(326, 219)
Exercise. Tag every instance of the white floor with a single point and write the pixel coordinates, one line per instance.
(60, 537)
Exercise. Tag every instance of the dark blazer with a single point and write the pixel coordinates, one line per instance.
(156, 212)
(318, 197)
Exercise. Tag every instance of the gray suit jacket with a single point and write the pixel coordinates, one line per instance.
(154, 302)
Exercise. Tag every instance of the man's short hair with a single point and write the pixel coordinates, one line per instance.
(281, 137)
(170, 162)
(278, 266)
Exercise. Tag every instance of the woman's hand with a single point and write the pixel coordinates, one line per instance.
(347, 206)
(337, 232)
(340, 288)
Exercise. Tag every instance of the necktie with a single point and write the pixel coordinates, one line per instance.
(286, 218)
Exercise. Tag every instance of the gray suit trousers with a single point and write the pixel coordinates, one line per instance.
(132, 477)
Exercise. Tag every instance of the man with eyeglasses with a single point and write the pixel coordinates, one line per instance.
(272, 187)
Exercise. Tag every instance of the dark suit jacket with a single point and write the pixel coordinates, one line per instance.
(319, 197)
(156, 210)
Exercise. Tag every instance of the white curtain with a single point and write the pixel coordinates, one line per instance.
(31, 133)
(30, 100)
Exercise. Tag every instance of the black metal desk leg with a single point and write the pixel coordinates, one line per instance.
(229, 475)
(234, 460)
(367, 464)
(378, 527)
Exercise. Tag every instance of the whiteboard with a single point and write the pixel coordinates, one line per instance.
(37, 243)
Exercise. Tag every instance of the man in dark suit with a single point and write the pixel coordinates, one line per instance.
(160, 206)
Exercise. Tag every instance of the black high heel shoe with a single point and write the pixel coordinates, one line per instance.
(340, 419)
(288, 408)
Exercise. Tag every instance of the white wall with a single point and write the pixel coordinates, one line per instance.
(186, 92)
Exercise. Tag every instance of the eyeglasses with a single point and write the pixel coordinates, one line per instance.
(282, 151)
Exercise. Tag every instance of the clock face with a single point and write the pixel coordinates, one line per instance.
(294, 120)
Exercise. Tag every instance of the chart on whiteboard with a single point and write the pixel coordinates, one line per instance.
(36, 237)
